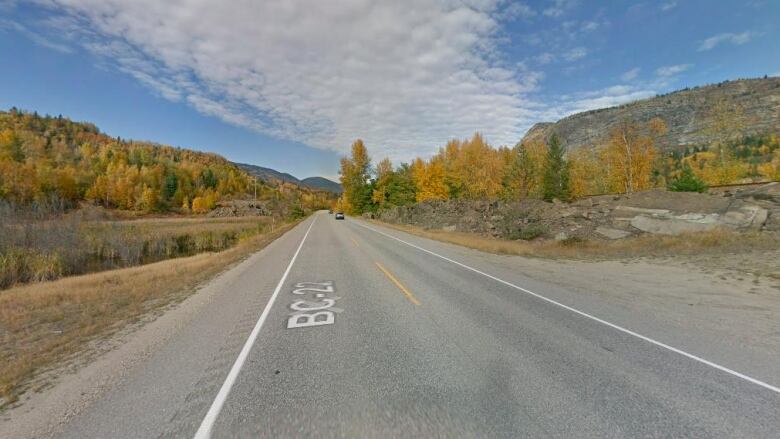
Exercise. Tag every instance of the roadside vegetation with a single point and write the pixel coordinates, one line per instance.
(48, 324)
(630, 160)
(85, 241)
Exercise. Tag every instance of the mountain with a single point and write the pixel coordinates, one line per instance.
(690, 114)
(270, 175)
(323, 183)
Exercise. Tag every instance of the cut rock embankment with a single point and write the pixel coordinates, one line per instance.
(604, 217)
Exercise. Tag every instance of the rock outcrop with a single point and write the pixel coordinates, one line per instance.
(603, 217)
(688, 114)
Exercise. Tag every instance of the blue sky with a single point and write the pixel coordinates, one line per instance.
(289, 84)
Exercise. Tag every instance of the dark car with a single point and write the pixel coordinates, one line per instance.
(339, 215)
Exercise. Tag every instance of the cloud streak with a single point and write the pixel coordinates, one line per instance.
(668, 71)
(403, 75)
(730, 38)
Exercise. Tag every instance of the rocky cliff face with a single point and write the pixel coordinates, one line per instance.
(688, 113)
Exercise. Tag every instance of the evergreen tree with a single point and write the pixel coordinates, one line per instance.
(687, 182)
(555, 182)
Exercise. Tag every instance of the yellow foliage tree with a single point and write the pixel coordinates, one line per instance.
(429, 179)
(630, 153)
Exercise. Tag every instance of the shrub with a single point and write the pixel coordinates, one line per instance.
(528, 233)
(687, 181)
(297, 212)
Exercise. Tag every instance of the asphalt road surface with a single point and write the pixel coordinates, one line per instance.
(349, 329)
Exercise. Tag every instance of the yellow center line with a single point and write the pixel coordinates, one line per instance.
(400, 286)
(354, 242)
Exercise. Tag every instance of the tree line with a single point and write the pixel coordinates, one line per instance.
(44, 158)
(628, 161)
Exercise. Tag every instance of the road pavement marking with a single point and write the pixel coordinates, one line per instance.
(354, 242)
(397, 283)
(584, 314)
(204, 431)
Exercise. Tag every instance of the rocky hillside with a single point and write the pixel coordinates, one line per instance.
(602, 217)
(688, 113)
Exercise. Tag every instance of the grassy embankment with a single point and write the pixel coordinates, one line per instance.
(44, 324)
(714, 241)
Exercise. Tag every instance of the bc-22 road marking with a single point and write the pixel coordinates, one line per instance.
(317, 312)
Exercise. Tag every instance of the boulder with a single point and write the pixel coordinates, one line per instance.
(675, 225)
(611, 233)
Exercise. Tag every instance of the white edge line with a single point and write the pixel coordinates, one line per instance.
(204, 431)
(584, 314)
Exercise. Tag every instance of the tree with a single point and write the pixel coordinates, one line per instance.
(630, 153)
(555, 183)
(586, 173)
(429, 179)
(384, 174)
(523, 176)
(11, 145)
(687, 181)
(401, 190)
(354, 179)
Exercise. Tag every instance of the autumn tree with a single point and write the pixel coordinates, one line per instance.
(384, 175)
(630, 153)
(429, 179)
(586, 173)
(354, 179)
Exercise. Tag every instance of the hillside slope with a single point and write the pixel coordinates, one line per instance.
(752, 104)
(53, 162)
(323, 183)
(271, 175)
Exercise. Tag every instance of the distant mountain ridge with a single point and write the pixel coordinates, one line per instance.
(688, 114)
(269, 174)
(323, 183)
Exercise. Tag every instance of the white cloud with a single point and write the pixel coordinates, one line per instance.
(558, 8)
(517, 10)
(630, 75)
(544, 58)
(405, 75)
(667, 71)
(589, 26)
(603, 98)
(668, 6)
(33, 36)
(736, 39)
(575, 54)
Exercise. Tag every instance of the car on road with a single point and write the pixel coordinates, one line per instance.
(340, 215)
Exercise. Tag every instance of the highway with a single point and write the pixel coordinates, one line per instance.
(351, 329)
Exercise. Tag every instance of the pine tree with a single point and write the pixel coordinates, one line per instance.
(687, 181)
(555, 183)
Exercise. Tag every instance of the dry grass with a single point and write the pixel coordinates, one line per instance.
(42, 325)
(40, 250)
(714, 241)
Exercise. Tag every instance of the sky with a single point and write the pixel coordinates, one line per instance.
(290, 84)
